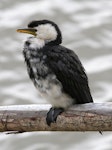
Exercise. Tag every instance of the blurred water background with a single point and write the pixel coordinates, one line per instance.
(87, 29)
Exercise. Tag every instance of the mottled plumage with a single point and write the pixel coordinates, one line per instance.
(56, 71)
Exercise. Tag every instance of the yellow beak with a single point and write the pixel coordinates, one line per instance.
(28, 31)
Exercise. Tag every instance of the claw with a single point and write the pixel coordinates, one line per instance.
(53, 114)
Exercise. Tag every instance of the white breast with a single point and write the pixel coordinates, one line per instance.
(47, 84)
(53, 93)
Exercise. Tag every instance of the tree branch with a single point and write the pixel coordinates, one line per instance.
(86, 117)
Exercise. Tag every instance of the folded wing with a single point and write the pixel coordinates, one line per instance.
(69, 71)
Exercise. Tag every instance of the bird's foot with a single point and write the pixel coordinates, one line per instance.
(53, 114)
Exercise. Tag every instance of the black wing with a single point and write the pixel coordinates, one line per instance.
(70, 72)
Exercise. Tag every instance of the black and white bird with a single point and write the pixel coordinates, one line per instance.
(55, 70)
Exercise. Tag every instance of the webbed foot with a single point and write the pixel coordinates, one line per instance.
(53, 114)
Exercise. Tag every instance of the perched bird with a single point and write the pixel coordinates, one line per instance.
(55, 70)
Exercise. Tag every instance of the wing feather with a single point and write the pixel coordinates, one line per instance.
(69, 71)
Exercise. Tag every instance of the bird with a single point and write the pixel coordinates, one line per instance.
(55, 70)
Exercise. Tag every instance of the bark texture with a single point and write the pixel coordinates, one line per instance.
(86, 117)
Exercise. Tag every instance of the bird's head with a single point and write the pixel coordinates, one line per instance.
(44, 30)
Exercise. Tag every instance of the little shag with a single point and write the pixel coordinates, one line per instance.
(55, 70)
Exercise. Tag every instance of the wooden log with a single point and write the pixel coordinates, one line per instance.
(86, 117)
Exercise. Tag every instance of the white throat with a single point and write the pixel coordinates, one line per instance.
(36, 43)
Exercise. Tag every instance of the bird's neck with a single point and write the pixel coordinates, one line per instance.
(35, 43)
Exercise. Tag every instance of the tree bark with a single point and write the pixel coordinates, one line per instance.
(86, 117)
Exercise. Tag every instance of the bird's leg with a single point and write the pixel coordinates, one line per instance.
(53, 114)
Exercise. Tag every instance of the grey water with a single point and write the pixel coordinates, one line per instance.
(87, 29)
